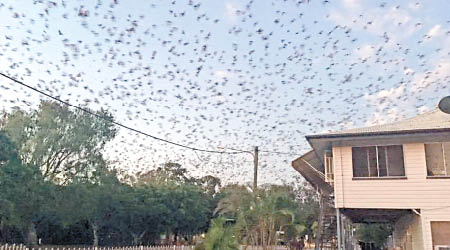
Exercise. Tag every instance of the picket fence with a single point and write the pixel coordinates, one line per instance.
(23, 247)
(261, 248)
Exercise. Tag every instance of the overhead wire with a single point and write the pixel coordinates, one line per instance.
(234, 151)
(117, 123)
(276, 152)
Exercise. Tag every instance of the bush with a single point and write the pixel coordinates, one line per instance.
(220, 236)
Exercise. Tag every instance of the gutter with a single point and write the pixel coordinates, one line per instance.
(362, 134)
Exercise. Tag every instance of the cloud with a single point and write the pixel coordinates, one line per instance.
(423, 109)
(389, 116)
(408, 71)
(435, 31)
(365, 52)
(391, 94)
(391, 105)
(398, 24)
(428, 79)
(221, 73)
(352, 4)
(382, 100)
(414, 6)
(231, 11)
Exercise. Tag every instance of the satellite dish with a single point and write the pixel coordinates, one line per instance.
(444, 105)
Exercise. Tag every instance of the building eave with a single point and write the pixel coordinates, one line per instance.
(368, 134)
(309, 166)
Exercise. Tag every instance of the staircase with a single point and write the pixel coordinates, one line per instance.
(327, 224)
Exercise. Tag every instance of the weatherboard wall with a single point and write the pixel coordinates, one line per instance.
(429, 196)
(408, 232)
(413, 192)
(429, 215)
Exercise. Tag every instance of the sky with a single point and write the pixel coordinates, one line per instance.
(223, 75)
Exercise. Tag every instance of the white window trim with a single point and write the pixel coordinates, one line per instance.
(447, 174)
(378, 165)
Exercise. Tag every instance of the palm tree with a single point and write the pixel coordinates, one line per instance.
(260, 216)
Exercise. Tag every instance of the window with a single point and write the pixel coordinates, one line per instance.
(438, 159)
(440, 230)
(378, 161)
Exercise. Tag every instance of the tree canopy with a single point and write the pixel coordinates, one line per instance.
(265, 217)
(53, 175)
(56, 185)
(63, 143)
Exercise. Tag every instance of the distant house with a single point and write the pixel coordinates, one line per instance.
(398, 172)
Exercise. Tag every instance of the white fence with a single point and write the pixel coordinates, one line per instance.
(23, 247)
(261, 248)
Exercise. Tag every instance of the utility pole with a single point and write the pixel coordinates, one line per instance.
(255, 165)
(255, 169)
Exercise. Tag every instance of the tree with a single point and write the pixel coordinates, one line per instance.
(23, 191)
(25, 197)
(54, 145)
(7, 149)
(99, 201)
(145, 213)
(7, 153)
(61, 142)
(193, 211)
(233, 199)
(210, 184)
(258, 217)
(308, 211)
(169, 173)
(375, 233)
(220, 236)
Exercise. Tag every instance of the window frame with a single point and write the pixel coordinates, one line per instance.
(387, 177)
(446, 169)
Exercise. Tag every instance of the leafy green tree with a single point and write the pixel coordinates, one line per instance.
(7, 149)
(375, 233)
(25, 197)
(7, 153)
(194, 211)
(234, 198)
(99, 202)
(210, 184)
(220, 236)
(145, 213)
(188, 202)
(187, 212)
(169, 173)
(308, 211)
(260, 216)
(61, 142)
(54, 144)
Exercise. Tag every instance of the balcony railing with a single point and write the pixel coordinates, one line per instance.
(328, 165)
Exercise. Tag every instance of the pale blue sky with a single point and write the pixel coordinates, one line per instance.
(236, 74)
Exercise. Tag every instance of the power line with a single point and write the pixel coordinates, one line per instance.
(263, 151)
(116, 123)
(276, 152)
(234, 151)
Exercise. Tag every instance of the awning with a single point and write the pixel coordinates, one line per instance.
(310, 167)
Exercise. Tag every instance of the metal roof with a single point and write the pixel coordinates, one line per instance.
(435, 120)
